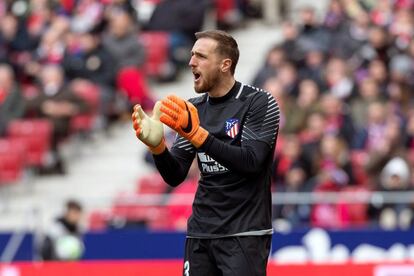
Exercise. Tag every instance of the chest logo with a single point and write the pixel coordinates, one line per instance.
(232, 127)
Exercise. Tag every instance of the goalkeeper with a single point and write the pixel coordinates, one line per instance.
(231, 128)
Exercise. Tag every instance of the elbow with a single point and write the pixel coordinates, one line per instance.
(174, 181)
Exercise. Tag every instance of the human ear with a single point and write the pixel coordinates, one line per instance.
(225, 65)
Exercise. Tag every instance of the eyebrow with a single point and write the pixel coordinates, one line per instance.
(198, 54)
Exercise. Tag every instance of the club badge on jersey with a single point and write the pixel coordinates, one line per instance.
(232, 127)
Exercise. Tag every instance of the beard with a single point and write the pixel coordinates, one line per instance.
(207, 84)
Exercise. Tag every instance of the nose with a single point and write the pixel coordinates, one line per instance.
(192, 62)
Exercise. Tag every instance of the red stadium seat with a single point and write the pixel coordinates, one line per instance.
(156, 45)
(154, 216)
(90, 94)
(179, 209)
(98, 221)
(12, 153)
(35, 134)
(151, 184)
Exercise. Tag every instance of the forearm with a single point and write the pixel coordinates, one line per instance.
(173, 169)
(245, 159)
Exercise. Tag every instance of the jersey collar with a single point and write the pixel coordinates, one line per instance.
(233, 92)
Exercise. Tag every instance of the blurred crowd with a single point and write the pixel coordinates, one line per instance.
(82, 64)
(61, 60)
(343, 79)
(344, 82)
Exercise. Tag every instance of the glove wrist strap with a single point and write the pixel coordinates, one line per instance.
(158, 149)
(199, 137)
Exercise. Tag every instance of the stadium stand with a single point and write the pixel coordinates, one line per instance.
(328, 65)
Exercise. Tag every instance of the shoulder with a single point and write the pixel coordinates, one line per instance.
(198, 100)
(256, 95)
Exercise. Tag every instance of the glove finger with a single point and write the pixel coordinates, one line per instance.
(170, 112)
(168, 121)
(140, 112)
(156, 112)
(136, 107)
(171, 105)
(136, 125)
(177, 100)
(134, 115)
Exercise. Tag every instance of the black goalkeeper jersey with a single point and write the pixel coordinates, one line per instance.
(233, 197)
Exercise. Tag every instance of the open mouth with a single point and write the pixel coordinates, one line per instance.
(197, 76)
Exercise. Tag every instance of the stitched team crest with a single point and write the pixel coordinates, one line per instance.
(232, 127)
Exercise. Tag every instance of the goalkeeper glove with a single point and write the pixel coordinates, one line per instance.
(182, 116)
(149, 129)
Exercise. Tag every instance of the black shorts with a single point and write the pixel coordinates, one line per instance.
(232, 256)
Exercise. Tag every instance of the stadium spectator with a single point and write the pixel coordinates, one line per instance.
(304, 104)
(350, 37)
(378, 71)
(62, 241)
(12, 104)
(389, 145)
(87, 59)
(313, 67)
(59, 104)
(368, 91)
(114, 6)
(288, 77)
(410, 132)
(333, 162)
(376, 47)
(50, 49)
(395, 177)
(120, 39)
(335, 16)
(86, 15)
(181, 19)
(274, 87)
(311, 32)
(273, 61)
(290, 33)
(338, 80)
(338, 118)
(293, 215)
(290, 156)
(370, 137)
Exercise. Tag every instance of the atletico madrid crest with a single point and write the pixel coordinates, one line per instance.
(232, 127)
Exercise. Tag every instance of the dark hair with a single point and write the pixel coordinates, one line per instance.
(73, 205)
(226, 45)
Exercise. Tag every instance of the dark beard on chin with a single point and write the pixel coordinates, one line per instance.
(208, 84)
(198, 90)
(205, 87)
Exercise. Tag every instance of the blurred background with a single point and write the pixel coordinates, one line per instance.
(75, 184)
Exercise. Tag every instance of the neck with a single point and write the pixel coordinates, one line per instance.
(222, 88)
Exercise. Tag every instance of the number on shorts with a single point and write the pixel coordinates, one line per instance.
(187, 268)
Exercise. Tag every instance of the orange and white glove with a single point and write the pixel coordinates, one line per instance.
(182, 116)
(149, 129)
